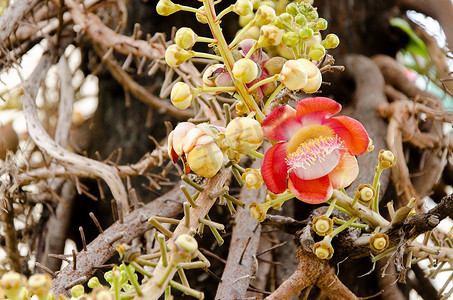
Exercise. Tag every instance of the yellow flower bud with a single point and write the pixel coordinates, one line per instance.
(203, 155)
(386, 159)
(181, 95)
(323, 250)
(366, 194)
(12, 283)
(39, 284)
(301, 20)
(314, 77)
(290, 39)
(77, 291)
(379, 242)
(243, 7)
(245, 70)
(186, 245)
(322, 225)
(257, 212)
(293, 75)
(244, 20)
(166, 7)
(331, 41)
(244, 135)
(252, 178)
(264, 15)
(185, 37)
(241, 109)
(321, 24)
(201, 16)
(210, 74)
(316, 52)
(175, 139)
(270, 35)
(175, 55)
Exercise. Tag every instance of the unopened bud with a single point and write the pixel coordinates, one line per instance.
(301, 20)
(175, 55)
(270, 35)
(77, 291)
(316, 52)
(366, 194)
(314, 77)
(12, 283)
(186, 244)
(321, 24)
(39, 284)
(292, 9)
(166, 7)
(245, 70)
(290, 39)
(312, 14)
(386, 159)
(181, 95)
(175, 139)
(185, 37)
(274, 65)
(379, 242)
(244, 135)
(306, 33)
(283, 20)
(244, 20)
(264, 15)
(323, 250)
(201, 16)
(243, 7)
(331, 41)
(293, 75)
(322, 225)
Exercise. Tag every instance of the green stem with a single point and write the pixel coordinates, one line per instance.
(132, 279)
(263, 82)
(272, 96)
(224, 12)
(215, 89)
(241, 33)
(257, 154)
(356, 225)
(207, 55)
(187, 8)
(239, 168)
(331, 207)
(340, 229)
(206, 40)
(252, 50)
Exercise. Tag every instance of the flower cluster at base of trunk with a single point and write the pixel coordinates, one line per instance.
(315, 151)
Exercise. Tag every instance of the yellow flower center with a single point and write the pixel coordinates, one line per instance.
(306, 134)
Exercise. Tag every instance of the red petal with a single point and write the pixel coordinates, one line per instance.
(345, 172)
(274, 168)
(280, 124)
(327, 106)
(310, 191)
(351, 132)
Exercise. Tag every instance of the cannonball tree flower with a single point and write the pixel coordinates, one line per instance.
(315, 153)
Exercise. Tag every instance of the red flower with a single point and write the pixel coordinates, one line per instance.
(316, 152)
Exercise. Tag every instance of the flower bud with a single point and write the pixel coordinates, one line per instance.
(312, 14)
(185, 37)
(224, 79)
(366, 194)
(386, 159)
(283, 20)
(39, 284)
(175, 139)
(166, 7)
(306, 33)
(292, 9)
(331, 41)
(241, 109)
(244, 135)
(94, 282)
(322, 225)
(245, 70)
(203, 155)
(321, 24)
(379, 242)
(257, 212)
(293, 75)
(274, 65)
(175, 55)
(252, 178)
(290, 39)
(323, 250)
(301, 20)
(181, 95)
(211, 73)
(186, 245)
(270, 35)
(314, 77)
(12, 283)
(264, 15)
(244, 20)
(243, 7)
(201, 16)
(316, 52)
(77, 291)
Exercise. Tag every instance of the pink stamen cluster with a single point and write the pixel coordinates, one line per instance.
(314, 150)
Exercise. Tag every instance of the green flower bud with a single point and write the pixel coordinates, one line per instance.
(243, 7)
(181, 95)
(166, 7)
(293, 75)
(321, 24)
(186, 244)
(301, 20)
(386, 159)
(185, 37)
(77, 291)
(290, 39)
(306, 33)
(316, 52)
(264, 15)
(292, 9)
(323, 250)
(201, 16)
(270, 35)
(94, 282)
(314, 77)
(244, 135)
(322, 225)
(175, 55)
(283, 20)
(312, 15)
(245, 70)
(331, 41)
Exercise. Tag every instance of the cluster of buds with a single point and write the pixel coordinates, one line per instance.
(15, 286)
(202, 146)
